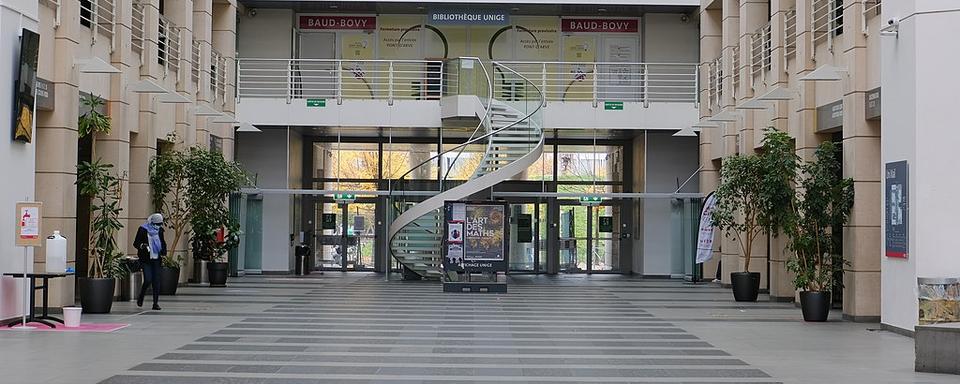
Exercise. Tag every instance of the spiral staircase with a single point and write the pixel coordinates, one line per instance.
(511, 129)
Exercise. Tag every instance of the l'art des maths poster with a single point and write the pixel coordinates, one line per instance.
(483, 234)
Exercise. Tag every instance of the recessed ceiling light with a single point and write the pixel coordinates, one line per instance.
(334, 6)
(514, 9)
(601, 9)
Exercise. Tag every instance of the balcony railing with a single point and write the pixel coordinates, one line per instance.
(826, 20)
(195, 62)
(168, 44)
(760, 51)
(55, 5)
(871, 9)
(99, 16)
(339, 79)
(137, 23)
(789, 34)
(429, 80)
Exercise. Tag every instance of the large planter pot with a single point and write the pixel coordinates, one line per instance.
(96, 295)
(217, 273)
(169, 280)
(815, 305)
(746, 285)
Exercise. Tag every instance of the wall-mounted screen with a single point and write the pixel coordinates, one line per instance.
(25, 91)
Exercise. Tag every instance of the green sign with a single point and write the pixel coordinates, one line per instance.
(316, 103)
(613, 105)
(344, 196)
(329, 221)
(606, 224)
(590, 200)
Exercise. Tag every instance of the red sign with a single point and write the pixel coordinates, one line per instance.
(338, 22)
(600, 25)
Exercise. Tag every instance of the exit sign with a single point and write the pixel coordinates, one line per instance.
(590, 200)
(316, 103)
(613, 105)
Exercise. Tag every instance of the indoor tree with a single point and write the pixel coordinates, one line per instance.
(755, 194)
(210, 180)
(823, 204)
(168, 182)
(96, 180)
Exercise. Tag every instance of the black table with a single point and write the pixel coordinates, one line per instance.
(32, 316)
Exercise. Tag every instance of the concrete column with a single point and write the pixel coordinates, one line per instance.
(861, 155)
(56, 141)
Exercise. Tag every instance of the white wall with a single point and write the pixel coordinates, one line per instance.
(668, 159)
(17, 160)
(919, 79)
(667, 39)
(265, 154)
(269, 34)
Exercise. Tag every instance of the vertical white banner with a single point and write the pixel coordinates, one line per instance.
(705, 234)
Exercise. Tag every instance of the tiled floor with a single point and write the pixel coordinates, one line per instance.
(357, 328)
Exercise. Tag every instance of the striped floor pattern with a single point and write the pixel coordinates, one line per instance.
(361, 329)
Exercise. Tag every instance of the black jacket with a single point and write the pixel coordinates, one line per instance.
(142, 244)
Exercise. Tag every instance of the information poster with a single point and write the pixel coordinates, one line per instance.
(476, 236)
(897, 218)
(484, 233)
(28, 224)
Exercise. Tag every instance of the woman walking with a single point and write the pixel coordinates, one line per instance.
(150, 247)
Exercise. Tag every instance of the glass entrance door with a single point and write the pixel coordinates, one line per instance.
(589, 238)
(347, 236)
(527, 234)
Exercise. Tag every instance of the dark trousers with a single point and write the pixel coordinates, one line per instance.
(151, 276)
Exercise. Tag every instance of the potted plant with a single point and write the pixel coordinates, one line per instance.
(169, 274)
(210, 180)
(752, 196)
(95, 180)
(821, 209)
(168, 184)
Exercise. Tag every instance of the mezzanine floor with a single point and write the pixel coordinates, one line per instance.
(357, 328)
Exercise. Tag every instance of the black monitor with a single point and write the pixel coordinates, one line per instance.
(25, 91)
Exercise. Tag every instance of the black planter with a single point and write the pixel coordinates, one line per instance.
(217, 273)
(815, 305)
(169, 280)
(746, 285)
(96, 295)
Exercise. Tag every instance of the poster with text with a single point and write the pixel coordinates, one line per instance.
(484, 233)
(897, 217)
(28, 224)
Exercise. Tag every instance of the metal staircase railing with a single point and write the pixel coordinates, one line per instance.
(510, 128)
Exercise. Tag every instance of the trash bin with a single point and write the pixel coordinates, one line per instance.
(939, 300)
(301, 263)
(71, 316)
(130, 284)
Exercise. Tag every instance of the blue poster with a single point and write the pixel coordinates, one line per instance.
(896, 204)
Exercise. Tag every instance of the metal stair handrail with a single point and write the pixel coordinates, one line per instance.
(485, 181)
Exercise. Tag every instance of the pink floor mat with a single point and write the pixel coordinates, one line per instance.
(84, 327)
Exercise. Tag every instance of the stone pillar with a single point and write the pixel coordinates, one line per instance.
(861, 157)
(56, 141)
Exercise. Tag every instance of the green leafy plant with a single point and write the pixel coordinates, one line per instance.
(172, 262)
(821, 209)
(168, 182)
(93, 121)
(97, 181)
(756, 192)
(210, 180)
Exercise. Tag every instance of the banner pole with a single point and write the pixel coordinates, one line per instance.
(26, 294)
